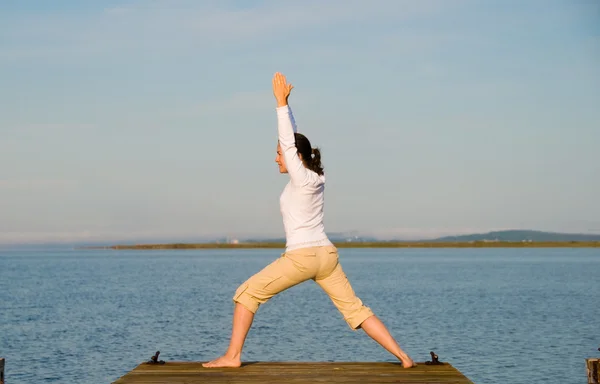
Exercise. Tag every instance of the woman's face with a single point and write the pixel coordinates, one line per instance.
(279, 159)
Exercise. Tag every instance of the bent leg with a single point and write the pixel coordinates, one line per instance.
(276, 277)
(242, 320)
(273, 279)
(357, 315)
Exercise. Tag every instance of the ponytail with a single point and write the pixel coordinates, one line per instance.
(315, 162)
(311, 157)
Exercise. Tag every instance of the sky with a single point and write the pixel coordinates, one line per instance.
(146, 120)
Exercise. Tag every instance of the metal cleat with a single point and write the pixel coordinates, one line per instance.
(154, 359)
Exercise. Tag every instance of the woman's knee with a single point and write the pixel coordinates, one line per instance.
(354, 318)
(257, 290)
(243, 297)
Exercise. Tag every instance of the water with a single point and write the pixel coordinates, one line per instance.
(498, 315)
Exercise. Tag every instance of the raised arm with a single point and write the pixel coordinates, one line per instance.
(286, 127)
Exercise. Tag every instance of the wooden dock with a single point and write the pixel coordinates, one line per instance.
(294, 372)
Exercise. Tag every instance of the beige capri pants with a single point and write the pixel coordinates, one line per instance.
(320, 264)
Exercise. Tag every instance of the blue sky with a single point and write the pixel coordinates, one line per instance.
(126, 121)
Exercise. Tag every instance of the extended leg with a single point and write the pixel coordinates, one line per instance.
(242, 320)
(357, 315)
(378, 332)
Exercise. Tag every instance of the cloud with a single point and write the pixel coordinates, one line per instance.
(428, 233)
(160, 27)
(239, 101)
(49, 237)
(38, 184)
(118, 10)
(87, 236)
(35, 128)
(29, 137)
(243, 102)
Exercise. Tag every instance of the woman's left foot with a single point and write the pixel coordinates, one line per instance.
(408, 363)
(224, 362)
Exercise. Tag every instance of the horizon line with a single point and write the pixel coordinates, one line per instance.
(391, 236)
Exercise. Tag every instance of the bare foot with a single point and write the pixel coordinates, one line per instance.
(408, 363)
(224, 362)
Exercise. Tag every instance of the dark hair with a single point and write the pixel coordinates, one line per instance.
(311, 157)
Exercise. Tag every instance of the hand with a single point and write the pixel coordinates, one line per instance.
(281, 89)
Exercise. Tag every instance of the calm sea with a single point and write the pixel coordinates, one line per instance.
(498, 315)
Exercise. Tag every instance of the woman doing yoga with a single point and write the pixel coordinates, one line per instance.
(309, 255)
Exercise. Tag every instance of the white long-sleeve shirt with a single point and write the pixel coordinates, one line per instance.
(302, 199)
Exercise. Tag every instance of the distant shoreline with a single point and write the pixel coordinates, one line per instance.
(377, 244)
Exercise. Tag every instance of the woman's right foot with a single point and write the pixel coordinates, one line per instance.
(224, 362)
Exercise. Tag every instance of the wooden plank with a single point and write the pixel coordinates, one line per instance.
(1, 370)
(294, 372)
(593, 370)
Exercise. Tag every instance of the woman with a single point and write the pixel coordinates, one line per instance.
(309, 254)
